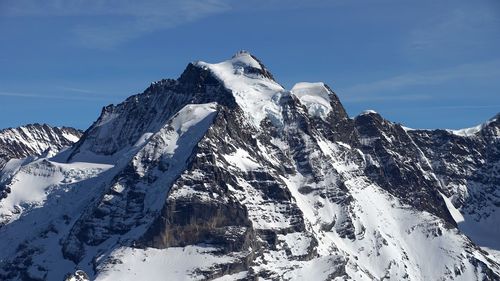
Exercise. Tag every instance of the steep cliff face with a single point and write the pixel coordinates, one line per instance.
(466, 163)
(398, 165)
(223, 173)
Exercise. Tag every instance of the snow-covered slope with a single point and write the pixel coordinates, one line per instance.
(476, 129)
(315, 96)
(24, 144)
(223, 174)
(252, 86)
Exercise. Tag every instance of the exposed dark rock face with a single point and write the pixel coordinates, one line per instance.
(338, 126)
(206, 214)
(397, 164)
(121, 126)
(306, 193)
(466, 166)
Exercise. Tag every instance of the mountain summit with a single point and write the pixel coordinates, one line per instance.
(224, 174)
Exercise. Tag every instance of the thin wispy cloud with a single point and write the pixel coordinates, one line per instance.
(391, 87)
(53, 97)
(76, 90)
(465, 106)
(443, 107)
(374, 98)
(131, 19)
(106, 24)
(457, 29)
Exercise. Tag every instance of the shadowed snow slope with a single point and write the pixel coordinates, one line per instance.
(223, 174)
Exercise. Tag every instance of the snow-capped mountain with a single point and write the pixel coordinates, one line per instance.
(19, 146)
(34, 140)
(223, 174)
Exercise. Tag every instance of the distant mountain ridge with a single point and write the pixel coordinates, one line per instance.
(34, 140)
(223, 174)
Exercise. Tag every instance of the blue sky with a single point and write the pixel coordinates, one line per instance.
(426, 64)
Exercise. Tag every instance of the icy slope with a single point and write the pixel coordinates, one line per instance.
(254, 90)
(31, 185)
(46, 198)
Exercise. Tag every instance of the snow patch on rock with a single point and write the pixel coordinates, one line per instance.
(242, 160)
(315, 97)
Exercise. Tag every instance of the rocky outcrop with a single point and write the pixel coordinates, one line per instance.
(398, 165)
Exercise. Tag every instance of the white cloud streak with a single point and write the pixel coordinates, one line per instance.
(371, 91)
(106, 24)
(364, 98)
(54, 97)
(457, 29)
(76, 90)
(453, 107)
(131, 19)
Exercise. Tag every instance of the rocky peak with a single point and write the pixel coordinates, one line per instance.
(129, 124)
(472, 185)
(398, 164)
(242, 81)
(369, 122)
(251, 64)
(490, 127)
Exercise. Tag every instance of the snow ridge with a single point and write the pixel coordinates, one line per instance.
(467, 132)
